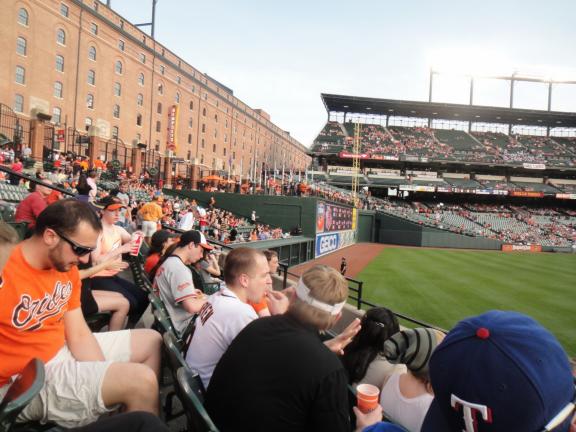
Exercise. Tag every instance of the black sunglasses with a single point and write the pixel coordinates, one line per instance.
(78, 250)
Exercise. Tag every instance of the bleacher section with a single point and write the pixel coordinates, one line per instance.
(463, 183)
(506, 223)
(12, 193)
(424, 144)
(331, 139)
(373, 138)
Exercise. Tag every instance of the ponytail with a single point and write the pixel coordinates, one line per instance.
(163, 258)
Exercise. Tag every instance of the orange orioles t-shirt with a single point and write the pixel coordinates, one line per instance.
(32, 306)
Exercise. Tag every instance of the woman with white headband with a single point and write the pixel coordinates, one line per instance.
(277, 374)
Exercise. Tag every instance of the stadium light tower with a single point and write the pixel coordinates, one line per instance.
(152, 23)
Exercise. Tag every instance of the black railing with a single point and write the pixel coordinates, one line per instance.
(37, 181)
(355, 288)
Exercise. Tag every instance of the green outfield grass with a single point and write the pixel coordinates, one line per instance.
(443, 286)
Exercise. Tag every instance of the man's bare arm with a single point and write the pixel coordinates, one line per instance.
(79, 338)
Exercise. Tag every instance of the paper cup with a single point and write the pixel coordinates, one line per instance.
(137, 238)
(367, 396)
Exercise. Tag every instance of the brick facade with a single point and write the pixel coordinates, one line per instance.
(213, 126)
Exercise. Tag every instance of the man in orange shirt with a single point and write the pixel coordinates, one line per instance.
(151, 214)
(87, 374)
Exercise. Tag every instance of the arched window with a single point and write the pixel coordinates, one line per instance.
(20, 75)
(116, 111)
(21, 46)
(159, 108)
(58, 89)
(59, 63)
(141, 79)
(158, 126)
(19, 103)
(118, 67)
(61, 36)
(23, 16)
(92, 53)
(117, 89)
(115, 131)
(139, 99)
(191, 105)
(56, 115)
(90, 101)
(204, 112)
(91, 77)
(189, 138)
(139, 120)
(216, 118)
(87, 123)
(160, 89)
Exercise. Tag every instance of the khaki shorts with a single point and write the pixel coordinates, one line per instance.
(149, 228)
(72, 392)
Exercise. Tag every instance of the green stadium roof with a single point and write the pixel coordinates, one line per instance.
(448, 111)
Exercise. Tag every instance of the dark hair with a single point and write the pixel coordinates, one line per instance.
(378, 324)
(65, 215)
(157, 241)
(185, 239)
(163, 258)
(239, 261)
(269, 254)
(83, 187)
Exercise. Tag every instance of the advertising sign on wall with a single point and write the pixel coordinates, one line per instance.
(332, 217)
(335, 227)
(330, 242)
(521, 248)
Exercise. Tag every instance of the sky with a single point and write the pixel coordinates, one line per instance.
(281, 55)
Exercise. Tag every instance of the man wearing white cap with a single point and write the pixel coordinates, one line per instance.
(277, 374)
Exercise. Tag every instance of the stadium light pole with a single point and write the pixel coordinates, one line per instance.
(152, 23)
(430, 84)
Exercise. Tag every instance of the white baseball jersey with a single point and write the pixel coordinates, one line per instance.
(220, 320)
(174, 282)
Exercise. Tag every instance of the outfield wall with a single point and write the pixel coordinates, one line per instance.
(278, 211)
(394, 230)
(326, 226)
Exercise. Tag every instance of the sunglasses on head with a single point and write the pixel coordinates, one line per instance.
(78, 250)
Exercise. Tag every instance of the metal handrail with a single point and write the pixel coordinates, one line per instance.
(37, 181)
(360, 302)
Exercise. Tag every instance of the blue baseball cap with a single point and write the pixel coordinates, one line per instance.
(500, 372)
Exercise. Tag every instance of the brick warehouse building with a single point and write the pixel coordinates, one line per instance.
(95, 73)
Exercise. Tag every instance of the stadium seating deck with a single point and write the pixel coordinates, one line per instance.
(448, 145)
(463, 183)
(457, 139)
